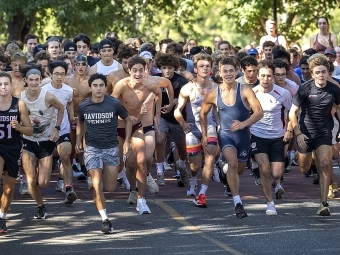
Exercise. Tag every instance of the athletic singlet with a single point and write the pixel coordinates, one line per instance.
(8, 135)
(42, 118)
(237, 111)
(193, 109)
(320, 47)
(107, 69)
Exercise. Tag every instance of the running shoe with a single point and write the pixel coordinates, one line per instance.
(76, 171)
(23, 189)
(41, 213)
(279, 191)
(324, 209)
(184, 178)
(132, 197)
(60, 186)
(271, 210)
(256, 172)
(107, 227)
(160, 180)
(240, 212)
(151, 184)
(191, 190)
(200, 201)
(216, 175)
(3, 228)
(227, 191)
(142, 207)
(335, 187)
(330, 192)
(70, 196)
(177, 174)
(167, 166)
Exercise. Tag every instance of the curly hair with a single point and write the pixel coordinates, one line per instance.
(167, 59)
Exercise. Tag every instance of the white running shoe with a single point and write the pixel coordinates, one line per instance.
(142, 207)
(132, 197)
(160, 180)
(60, 186)
(23, 189)
(166, 166)
(191, 190)
(271, 210)
(151, 184)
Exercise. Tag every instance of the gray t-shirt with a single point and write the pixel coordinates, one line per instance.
(101, 121)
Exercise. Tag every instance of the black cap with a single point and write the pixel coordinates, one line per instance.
(38, 48)
(105, 42)
(70, 46)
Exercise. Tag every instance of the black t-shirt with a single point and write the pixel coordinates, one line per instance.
(316, 104)
(177, 81)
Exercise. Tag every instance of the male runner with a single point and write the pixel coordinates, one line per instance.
(269, 134)
(14, 121)
(98, 115)
(267, 47)
(233, 102)
(53, 47)
(18, 59)
(31, 41)
(249, 70)
(38, 148)
(313, 104)
(64, 93)
(132, 92)
(43, 58)
(83, 46)
(191, 96)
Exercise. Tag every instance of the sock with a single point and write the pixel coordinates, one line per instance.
(254, 165)
(237, 200)
(270, 204)
(292, 153)
(74, 161)
(103, 214)
(181, 163)
(159, 167)
(193, 180)
(203, 189)
(23, 180)
(3, 215)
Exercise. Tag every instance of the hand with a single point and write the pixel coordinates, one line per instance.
(74, 120)
(134, 120)
(126, 148)
(144, 108)
(187, 127)
(55, 135)
(288, 136)
(15, 124)
(237, 125)
(79, 147)
(157, 122)
(165, 109)
(301, 140)
(205, 141)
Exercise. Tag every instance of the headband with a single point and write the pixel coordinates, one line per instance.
(33, 71)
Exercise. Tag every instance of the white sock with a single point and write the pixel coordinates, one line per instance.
(270, 204)
(277, 187)
(159, 167)
(193, 180)
(203, 189)
(23, 180)
(292, 154)
(181, 163)
(254, 165)
(3, 215)
(74, 161)
(237, 200)
(103, 214)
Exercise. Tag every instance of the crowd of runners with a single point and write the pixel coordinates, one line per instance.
(108, 111)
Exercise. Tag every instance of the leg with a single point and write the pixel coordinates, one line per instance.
(230, 155)
(159, 150)
(110, 174)
(98, 195)
(264, 165)
(305, 161)
(64, 151)
(324, 164)
(8, 191)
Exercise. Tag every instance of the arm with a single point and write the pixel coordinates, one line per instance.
(158, 105)
(52, 100)
(165, 83)
(80, 133)
(208, 102)
(70, 111)
(182, 100)
(311, 41)
(293, 118)
(26, 126)
(128, 131)
(335, 40)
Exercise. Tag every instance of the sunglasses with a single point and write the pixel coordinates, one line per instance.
(81, 64)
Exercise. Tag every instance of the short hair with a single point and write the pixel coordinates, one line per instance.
(266, 64)
(136, 60)
(201, 56)
(96, 76)
(174, 48)
(42, 55)
(268, 44)
(167, 59)
(3, 58)
(229, 61)
(53, 39)
(303, 61)
(18, 56)
(95, 48)
(278, 47)
(241, 54)
(20, 44)
(215, 54)
(310, 52)
(7, 75)
(183, 63)
(331, 67)
(148, 47)
(248, 61)
(280, 64)
(82, 37)
(116, 44)
(57, 63)
(281, 54)
(166, 41)
(31, 36)
(224, 42)
(270, 21)
(318, 60)
(63, 57)
(111, 35)
(294, 52)
(26, 68)
(126, 52)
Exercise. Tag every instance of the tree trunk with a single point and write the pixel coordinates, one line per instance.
(20, 26)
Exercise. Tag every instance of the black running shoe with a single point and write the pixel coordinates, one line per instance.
(316, 179)
(3, 228)
(70, 196)
(227, 191)
(107, 227)
(41, 213)
(240, 212)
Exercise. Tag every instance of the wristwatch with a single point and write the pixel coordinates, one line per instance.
(57, 127)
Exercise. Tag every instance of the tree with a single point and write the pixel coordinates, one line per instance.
(294, 16)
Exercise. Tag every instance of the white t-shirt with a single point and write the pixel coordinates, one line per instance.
(64, 95)
(274, 104)
(291, 86)
(108, 69)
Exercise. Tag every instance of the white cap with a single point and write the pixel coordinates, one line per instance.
(146, 54)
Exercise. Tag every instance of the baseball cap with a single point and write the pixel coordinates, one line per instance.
(146, 54)
(330, 51)
(252, 51)
(70, 46)
(38, 48)
(105, 43)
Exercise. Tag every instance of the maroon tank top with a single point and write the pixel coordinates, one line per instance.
(320, 47)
